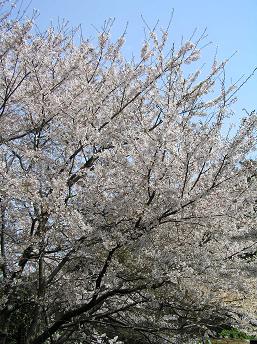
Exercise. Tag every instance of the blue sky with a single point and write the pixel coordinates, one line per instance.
(231, 25)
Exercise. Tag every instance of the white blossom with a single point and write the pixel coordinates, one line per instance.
(125, 209)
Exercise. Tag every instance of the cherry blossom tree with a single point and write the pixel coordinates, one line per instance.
(127, 207)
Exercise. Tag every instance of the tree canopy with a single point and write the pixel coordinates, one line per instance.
(127, 212)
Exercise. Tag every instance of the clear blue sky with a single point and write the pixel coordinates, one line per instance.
(231, 25)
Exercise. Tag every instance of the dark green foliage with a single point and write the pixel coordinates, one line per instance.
(234, 333)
